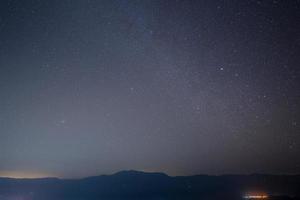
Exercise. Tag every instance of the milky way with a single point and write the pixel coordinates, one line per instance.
(183, 87)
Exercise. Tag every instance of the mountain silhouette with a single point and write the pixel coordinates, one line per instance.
(144, 185)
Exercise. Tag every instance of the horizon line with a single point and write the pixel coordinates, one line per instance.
(152, 172)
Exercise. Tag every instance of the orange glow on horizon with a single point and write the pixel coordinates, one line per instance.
(24, 174)
(256, 196)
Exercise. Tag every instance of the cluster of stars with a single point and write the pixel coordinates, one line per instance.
(140, 85)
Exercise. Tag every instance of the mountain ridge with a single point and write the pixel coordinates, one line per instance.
(140, 172)
(132, 184)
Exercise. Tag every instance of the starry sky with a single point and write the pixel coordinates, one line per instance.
(183, 87)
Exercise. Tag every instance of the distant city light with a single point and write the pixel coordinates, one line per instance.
(256, 196)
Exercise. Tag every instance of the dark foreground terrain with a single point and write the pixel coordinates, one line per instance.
(154, 186)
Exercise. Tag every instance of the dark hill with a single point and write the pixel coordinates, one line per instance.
(142, 185)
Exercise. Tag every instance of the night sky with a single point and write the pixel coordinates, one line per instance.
(182, 87)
